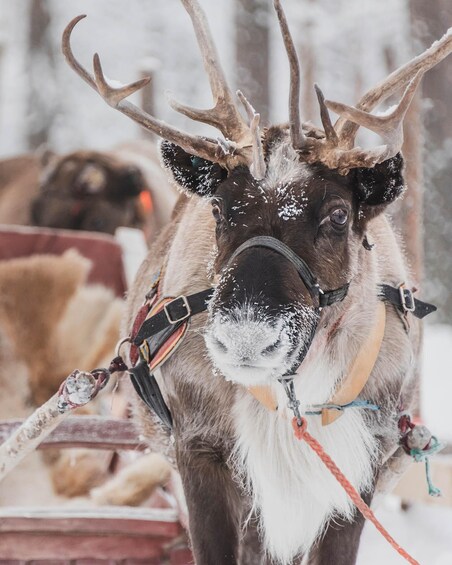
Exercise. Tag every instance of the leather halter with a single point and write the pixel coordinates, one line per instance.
(180, 309)
(363, 363)
(322, 297)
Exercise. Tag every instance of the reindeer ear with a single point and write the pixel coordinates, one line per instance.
(131, 182)
(379, 186)
(193, 174)
(46, 156)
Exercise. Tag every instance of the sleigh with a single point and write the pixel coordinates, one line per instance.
(91, 535)
(86, 534)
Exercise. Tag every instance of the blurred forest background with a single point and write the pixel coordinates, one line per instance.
(346, 46)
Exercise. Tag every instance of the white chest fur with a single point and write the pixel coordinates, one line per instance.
(293, 493)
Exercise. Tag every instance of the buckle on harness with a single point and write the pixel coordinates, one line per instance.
(182, 318)
(406, 298)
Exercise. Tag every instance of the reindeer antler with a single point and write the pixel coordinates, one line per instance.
(241, 144)
(336, 149)
(259, 167)
(299, 140)
(395, 81)
(224, 115)
(388, 126)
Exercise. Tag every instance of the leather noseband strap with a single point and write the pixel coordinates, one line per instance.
(323, 297)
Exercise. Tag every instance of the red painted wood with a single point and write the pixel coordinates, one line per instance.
(152, 561)
(31, 546)
(116, 533)
(158, 523)
(95, 432)
(86, 526)
(90, 536)
(181, 556)
(102, 249)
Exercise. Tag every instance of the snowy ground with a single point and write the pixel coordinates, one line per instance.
(436, 389)
(424, 531)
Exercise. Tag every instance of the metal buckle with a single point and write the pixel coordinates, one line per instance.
(182, 318)
(294, 403)
(120, 343)
(406, 298)
(321, 293)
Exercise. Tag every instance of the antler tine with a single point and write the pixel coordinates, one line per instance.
(297, 136)
(224, 115)
(347, 130)
(69, 55)
(249, 109)
(110, 94)
(203, 147)
(328, 128)
(389, 126)
(258, 168)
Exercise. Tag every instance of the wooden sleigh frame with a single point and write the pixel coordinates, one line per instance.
(57, 535)
(119, 535)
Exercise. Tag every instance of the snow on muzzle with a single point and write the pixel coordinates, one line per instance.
(248, 347)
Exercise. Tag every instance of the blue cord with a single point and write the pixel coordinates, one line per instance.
(417, 454)
(423, 455)
(341, 407)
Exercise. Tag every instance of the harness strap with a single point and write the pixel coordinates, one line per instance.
(147, 388)
(174, 312)
(360, 370)
(183, 307)
(403, 299)
(328, 297)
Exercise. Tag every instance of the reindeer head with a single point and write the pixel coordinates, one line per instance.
(263, 313)
(307, 193)
(88, 190)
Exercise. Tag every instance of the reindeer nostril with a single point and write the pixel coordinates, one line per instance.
(271, 348)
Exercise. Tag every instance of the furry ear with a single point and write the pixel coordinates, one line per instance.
(132, 182)
(45, 155)
(379, 186)
(194, 174)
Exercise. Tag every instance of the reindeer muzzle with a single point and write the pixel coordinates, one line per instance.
(320, 297)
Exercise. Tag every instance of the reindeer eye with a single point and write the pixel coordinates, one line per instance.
(216, 211)
(339, 217)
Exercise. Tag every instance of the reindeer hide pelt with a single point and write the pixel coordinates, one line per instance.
(50, 324)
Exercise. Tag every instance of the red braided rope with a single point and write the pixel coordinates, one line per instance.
(302, 433)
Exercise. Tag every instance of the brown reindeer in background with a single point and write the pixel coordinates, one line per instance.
(87, 190)
(280, 223)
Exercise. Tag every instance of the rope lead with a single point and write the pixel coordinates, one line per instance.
(302, 433)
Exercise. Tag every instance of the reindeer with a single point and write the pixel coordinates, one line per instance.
(87, 190)
(288, 226)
